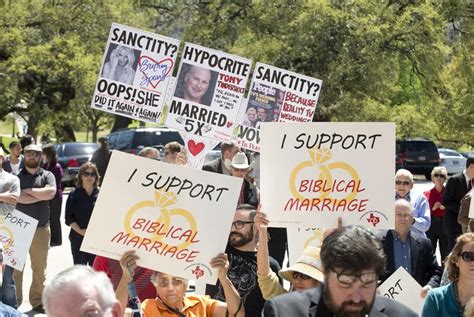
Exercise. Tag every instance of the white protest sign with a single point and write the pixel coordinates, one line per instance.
(276, 95)
(313, 173)
(209, 89)
(176, 218)
(16, 233)
(471, 209)
(197, 149)
(135, 73)
(300, 238)
(403, 288)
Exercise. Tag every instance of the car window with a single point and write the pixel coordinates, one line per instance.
(452, 153)
(124, 140)
(76, 149)
(424, 147)
(112, 139)
(151, 138)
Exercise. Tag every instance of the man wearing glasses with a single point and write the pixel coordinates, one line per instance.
(414, 253)
(38, 186)
(352, 260)
(421, 207)
(242, 253)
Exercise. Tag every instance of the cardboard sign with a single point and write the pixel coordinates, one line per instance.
(209, 89)
(176, 218)
(314, 173)
(135, 73)
(197, 149)
(300, 238)
(16, 233)
(471, 209)
(276, 95)
(403, 288)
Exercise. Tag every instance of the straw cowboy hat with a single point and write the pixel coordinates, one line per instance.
(239, 161)
(309, 264)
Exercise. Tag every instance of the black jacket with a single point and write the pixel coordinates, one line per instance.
(305, 303)
(424, 265)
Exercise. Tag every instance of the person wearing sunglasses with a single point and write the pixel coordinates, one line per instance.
(410, 251)
(451, 299)
(79, 206)
(171, 298)
(352, 259)
(306, 273)
(436, 233)
(421, 208)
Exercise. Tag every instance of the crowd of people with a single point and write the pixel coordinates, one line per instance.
(339, 277)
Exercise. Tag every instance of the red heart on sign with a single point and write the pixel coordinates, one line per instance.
(229, 124)
(195, 148)
(154, 72)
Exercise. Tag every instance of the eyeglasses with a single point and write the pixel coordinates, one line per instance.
(240, 224)
(298, 275)
(166, 282)
(89, 174)
(406, 183)
(439, 175)
(405, 217)
(348, 279)
(467, 256)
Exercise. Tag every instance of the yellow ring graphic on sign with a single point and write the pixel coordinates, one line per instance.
(317, 159)
(317, 235)
(162, 200)
(6, 247)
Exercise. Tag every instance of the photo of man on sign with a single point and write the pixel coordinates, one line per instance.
(196, 84)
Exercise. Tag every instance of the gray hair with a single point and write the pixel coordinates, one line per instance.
(144, 152)
(439, 170)
(76, 277)
(404, 172)
(404, 204)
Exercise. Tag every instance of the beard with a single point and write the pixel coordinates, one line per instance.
(237, 239)
(32, 163)
(360, 309)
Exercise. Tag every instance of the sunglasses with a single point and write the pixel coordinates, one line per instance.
(89, 174)
(174, 281)
(348, 279)
(298, 275)
(439, 175)
(467, 256)
(406, 183)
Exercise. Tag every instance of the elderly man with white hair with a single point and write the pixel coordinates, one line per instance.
(80, 291)
(421, 207)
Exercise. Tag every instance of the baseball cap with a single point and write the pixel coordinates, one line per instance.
(33, 147)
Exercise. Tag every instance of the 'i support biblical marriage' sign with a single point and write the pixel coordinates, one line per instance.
(175, 218)
(316, 172)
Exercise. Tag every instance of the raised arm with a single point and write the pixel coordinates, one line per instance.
(128, 261)
(232, 305)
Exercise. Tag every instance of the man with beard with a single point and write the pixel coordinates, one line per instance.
(352, 260)
(242, 253)
(38, 186)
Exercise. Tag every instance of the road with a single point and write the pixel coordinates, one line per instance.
(60, 257)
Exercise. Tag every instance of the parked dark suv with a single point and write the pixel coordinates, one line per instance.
(419, 156)
(133, 140)
(71, 156)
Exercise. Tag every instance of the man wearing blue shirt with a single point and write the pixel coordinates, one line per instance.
(420, 206)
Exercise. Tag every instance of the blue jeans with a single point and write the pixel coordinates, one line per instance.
(8, 294)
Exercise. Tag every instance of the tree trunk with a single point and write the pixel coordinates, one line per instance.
(120, 123)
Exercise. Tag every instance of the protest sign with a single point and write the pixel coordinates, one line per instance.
(16, 233)
(299, 238)
(276, 95)
(403, 288)
(317, 172)
(174, 217)
(135, 73)
(471, 209)
(197, 149)
(209, 89)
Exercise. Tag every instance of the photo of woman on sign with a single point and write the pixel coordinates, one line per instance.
(196, 84)
(121, 65)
